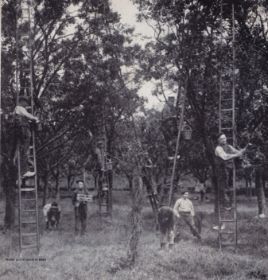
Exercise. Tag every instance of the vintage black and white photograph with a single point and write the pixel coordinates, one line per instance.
(134, 139)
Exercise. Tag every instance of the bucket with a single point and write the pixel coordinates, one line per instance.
(187, 132)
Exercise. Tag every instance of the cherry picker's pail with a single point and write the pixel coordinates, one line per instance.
(187, 132)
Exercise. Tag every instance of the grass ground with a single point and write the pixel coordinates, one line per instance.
(97, 255)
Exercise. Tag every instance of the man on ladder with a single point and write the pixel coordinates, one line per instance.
(24, 111)
(104, 179)
(24, 132)
(224, 153)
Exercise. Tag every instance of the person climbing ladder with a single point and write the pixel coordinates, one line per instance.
(24, 125)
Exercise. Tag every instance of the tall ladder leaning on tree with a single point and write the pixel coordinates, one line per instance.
(28, 197)
(104, 184)
(227, 125)
(168, 191)
(170, 184)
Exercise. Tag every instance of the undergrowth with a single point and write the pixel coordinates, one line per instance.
(102, 252)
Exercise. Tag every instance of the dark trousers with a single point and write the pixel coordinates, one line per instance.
(202, 194)
(24, 144)
(189, 221)
(110, 178)
(225, 192)
(80, 217)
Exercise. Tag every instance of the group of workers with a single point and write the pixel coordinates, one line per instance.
(80, 195)
(52, 211)
(183, 208)
(224, 153)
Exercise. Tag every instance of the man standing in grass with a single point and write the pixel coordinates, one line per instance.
(184, 209)
(80, 207)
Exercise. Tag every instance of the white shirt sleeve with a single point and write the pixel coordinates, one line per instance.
(219, 152)
(46, 209)
(21, 111)
(176, 207)
(234, 150)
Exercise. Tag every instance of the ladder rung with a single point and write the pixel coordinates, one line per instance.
(27, 189)
(227, 232)
(228, 244)
(226, 128)
(29, 182)
(28, 199)
(29, 210)
(29, 246)
(28, 222)
(228, 221)
(29, 234)
(227, 110)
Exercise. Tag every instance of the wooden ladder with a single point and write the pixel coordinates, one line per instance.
(28, 198)
(105, 196)
(227, 234)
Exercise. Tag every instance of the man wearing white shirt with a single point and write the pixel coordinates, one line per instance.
(24, 132)
(184, 209)
(224, 153)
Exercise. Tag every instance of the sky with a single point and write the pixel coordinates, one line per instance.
(128, 11)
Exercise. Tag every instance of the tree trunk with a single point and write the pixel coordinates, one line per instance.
(210, 156)
(135, 218)
(57, 184)
(56, 175)
(69, 180)
(259, 183)
(9, 184)
(130, 181)
(45, 181)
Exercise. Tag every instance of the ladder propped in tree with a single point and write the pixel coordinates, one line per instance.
(104, 181)
(28, 198)
(170, 183)
(227, 235)
(105, 195)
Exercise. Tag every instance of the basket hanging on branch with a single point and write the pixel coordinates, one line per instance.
(187, 132)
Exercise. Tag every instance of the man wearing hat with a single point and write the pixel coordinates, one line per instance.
(80, 207)
(224, 153)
